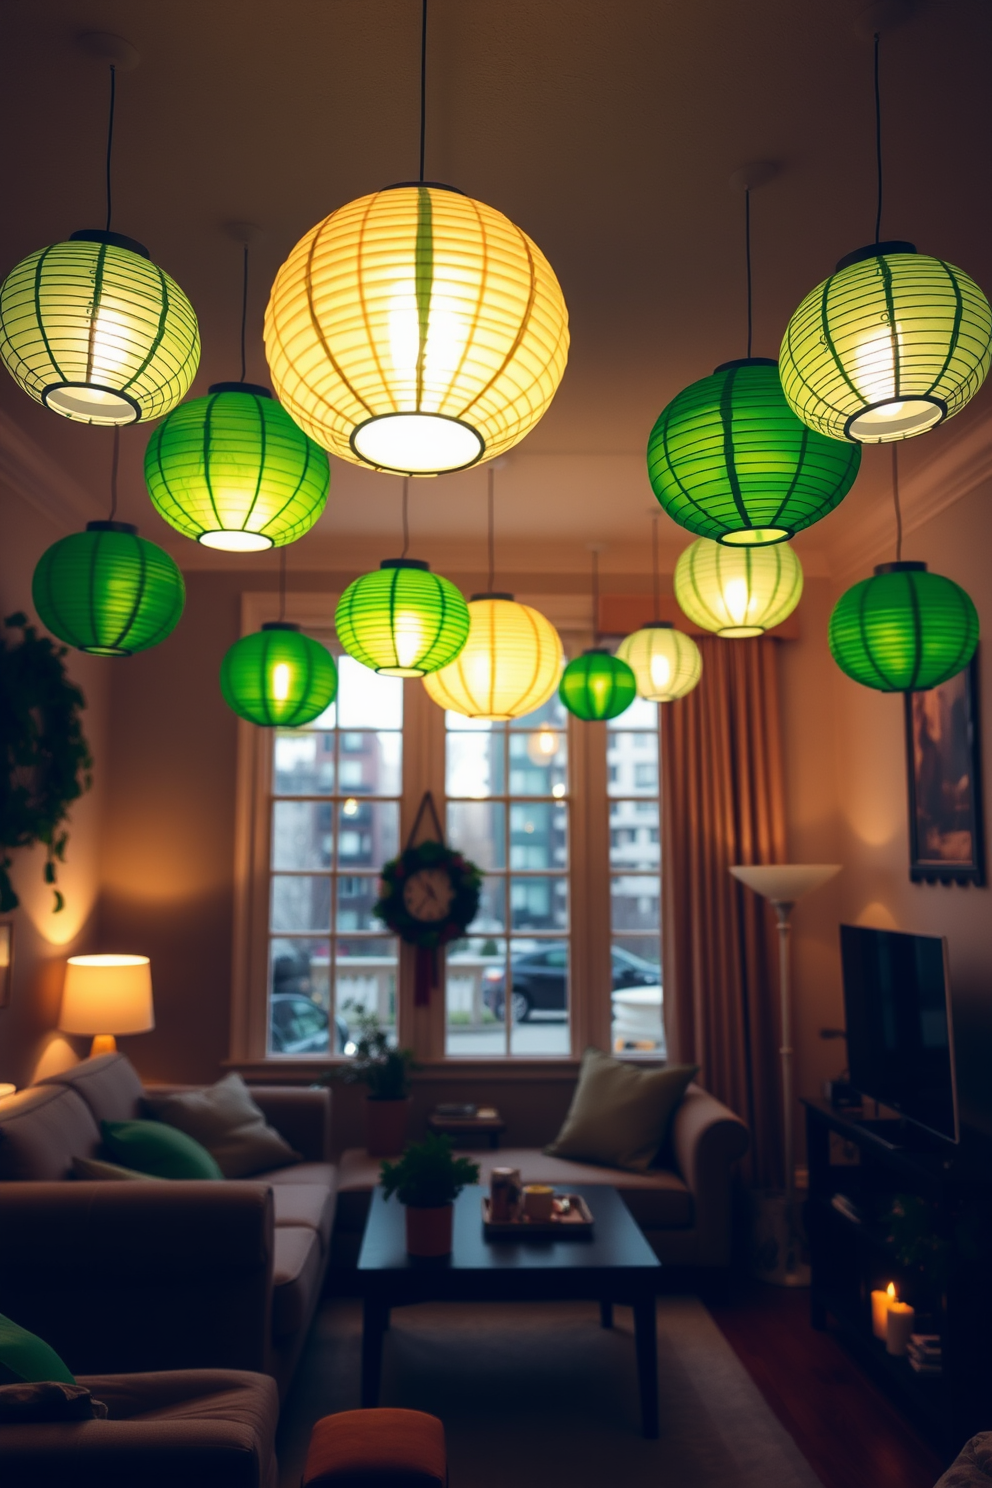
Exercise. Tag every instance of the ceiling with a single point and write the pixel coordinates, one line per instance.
(607, 131)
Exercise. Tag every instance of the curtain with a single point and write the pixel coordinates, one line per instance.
(723, 803)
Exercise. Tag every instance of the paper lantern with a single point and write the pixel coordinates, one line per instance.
(403, 620)
(597, 685)
(892, 344)
(728, 459)
(737, 591)
(108, 591)
(278, 677)
(904, 629)
(416, 330)
(509, 666)
(94, 330)
(666, 663)
(233, 471)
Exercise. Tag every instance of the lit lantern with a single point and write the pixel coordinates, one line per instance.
(108, 591)
(416, 330)
(666, 663)
(597, 685)
(904, 629)
(891, 344)
(729, 459)
(94, 330)
(233, 471)
(278, 677)
(402, 621)
(510, 664)
(737, 591)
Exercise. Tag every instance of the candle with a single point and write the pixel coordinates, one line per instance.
(901, 1322)
(880, 1311)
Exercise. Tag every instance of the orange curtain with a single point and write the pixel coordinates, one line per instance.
(723, 803)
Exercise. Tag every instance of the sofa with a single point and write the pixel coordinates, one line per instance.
(972, 1468)
(146, 1276)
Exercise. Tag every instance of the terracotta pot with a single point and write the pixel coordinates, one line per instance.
(428, 1231)
(385, 1126)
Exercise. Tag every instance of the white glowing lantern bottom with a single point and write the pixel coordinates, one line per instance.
(417, 443)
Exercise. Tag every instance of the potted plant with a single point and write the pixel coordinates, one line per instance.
(427, 1179)
(386, 1072)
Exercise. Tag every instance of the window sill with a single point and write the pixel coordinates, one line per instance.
(282, 1070)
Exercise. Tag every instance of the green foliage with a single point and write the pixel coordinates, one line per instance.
(428, 1174)
(385, 1070)
(46, 760)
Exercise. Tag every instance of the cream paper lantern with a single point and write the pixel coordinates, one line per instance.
(510, 664)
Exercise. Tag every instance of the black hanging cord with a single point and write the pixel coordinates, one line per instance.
(747, 259)
(492, 533)
(895, 500)
(244, 313)
(113, 472)
(406, 519)
(110, 137)
(282, 583)
(423, 86)
(654, 567)
(878, 146)
(595, 596)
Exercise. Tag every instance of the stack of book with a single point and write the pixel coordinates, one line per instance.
(924, 1353)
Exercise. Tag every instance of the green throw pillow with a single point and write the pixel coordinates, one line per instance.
(620, 1114)
(152, 1147)
(26, 1358)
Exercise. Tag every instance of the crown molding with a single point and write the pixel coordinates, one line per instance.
(30, 473)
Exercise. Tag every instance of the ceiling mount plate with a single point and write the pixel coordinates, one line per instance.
(246, 233)
(754, 174)
(882, 16)
(105, 46)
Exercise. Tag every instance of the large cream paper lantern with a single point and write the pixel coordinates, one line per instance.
(510, 664)
(417, 331)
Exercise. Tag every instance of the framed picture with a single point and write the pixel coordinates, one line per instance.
(6, 961)
(944, 775)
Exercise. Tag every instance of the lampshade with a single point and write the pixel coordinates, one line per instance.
(904, 629)
(784, 883)
(510, 664)
(107, 994)
(737, 591)
(403, 620)
(728, 459)
(94, 330)
(597, 685)
(233, 471)
(416, 330)
(892, 344)
(108, 591)
(666, 663)
(278, 677)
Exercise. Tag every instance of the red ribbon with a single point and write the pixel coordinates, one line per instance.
(425, 977)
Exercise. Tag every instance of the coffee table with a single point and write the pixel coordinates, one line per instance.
(613, 1265)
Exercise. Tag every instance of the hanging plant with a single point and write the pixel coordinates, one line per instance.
(46, 760)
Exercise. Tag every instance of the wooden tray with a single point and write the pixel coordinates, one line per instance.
(577, 1221)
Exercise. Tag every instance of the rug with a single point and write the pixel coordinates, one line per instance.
(537, 1394)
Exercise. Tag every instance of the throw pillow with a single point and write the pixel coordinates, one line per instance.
(25, 1405)
(25, 1358)
(152, 1147)
(620, 1114)
(93, 1170)
(226, 1120)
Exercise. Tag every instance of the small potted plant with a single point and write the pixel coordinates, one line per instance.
(386, 1072)
(427, 1179)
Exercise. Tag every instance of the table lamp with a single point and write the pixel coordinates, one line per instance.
(782, 884)
(107, 995)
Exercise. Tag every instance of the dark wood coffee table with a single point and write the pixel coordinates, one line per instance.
(613, 1265)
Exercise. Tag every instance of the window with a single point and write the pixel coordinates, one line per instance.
(507, 809)
(335, 805)
(635, 882)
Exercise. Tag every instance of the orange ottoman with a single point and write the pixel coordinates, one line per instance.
(385, 1448)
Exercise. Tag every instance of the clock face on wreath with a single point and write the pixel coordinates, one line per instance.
(427, 895)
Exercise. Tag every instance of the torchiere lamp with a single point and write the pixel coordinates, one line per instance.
(107, 995)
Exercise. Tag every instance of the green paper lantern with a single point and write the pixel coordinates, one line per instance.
(891, 344)
(903, 630)
(108, 591)
(278, 677)
(597, 685)
(666, 662)
(94, 330)
(728, 459)
(233, 471)
(403, 620)
(737, 592)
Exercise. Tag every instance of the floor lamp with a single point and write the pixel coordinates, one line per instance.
(782, 884)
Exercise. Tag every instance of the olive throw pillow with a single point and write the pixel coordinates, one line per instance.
(159, 1150)
(25, 1358)
(620, 1114)
(227, 1122)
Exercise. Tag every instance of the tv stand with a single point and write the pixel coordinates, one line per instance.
(936, 1253)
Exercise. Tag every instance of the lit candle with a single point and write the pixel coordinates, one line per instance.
(880, 1311)
(901, 1322)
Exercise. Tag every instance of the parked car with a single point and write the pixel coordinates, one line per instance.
(299, 1025)
(540, 980)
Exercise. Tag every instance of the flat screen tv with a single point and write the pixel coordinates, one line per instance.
(900, 1042)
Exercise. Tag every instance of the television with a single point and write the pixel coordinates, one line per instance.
(900, 1041)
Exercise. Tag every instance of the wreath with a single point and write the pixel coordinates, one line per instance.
(46, 761)
(466, 881)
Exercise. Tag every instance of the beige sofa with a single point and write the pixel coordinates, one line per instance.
(157, 1276)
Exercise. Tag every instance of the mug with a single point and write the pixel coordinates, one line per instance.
(504, 1194)
(539, 1201)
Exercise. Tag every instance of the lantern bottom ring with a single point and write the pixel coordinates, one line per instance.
(90, 403)
(414, 443)
(740, 632)
(755, 537)
(388, 671)
(234, 540)
(895, 418)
